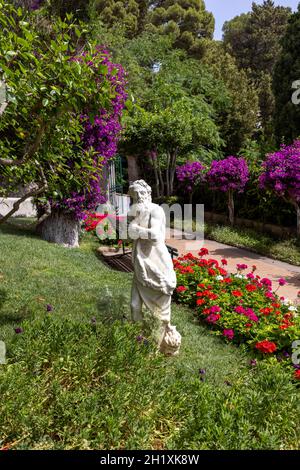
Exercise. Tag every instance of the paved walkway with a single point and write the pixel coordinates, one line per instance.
(266, 267)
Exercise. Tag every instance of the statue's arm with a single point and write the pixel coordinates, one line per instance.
(154, 232)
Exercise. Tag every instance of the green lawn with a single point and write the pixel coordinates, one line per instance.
(263, 244)
(71, 383)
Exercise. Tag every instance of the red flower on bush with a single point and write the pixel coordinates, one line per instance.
(222, 272)
(297, 374)
(224, 262)
(251, 287)
(237, 293)
(266, 310)
(266, 347)
(203, 252)
(181, 289)
(211, 272)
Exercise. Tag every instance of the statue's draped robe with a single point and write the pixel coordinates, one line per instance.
(154, 275)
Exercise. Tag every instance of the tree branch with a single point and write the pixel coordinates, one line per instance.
(32, 193)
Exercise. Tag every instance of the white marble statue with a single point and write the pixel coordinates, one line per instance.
(154, 276)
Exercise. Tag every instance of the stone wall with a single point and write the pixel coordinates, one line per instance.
(26, 209)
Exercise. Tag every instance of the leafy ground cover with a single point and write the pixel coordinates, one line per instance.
(79, 375)
(282, 250)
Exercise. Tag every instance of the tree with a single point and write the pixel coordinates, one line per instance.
(186, 20)
(58, 98)
(254, 40)
(286, 77)
(177, 103)
(166, 134)
(281, 175)
(190, 175)
(229, 175)
(129, 14)
(238, 120)
(78, 8)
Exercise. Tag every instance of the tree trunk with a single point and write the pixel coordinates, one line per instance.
(154, 164)
(60, 228)
(231, 207)
(162, 184)
(133, 168)
(172, 171)
(298, 219)
(168, 174)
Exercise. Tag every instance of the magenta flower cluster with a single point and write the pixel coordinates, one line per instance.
(282, 172)
(35, 4)
(190, 174)
(231, 173)
(102, 135)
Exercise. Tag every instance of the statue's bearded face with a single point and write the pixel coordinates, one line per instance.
(140, 195)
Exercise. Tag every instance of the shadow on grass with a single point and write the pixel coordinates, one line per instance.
(12, 318)
(20, 227)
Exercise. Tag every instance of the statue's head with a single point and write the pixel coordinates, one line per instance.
(140, 192)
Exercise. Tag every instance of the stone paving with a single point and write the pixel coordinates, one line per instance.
(266, 267)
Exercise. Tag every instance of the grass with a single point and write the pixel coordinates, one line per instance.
(282, 250)
(70, 383)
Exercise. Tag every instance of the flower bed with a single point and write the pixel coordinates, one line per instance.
(241, 307)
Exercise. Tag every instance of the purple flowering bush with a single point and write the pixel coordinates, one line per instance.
(101, 133)
(63, 121)
(229, 175)
(190, 175)
(282, 175)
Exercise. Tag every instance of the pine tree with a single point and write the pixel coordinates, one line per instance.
(127, 14)
(239, 122)
(287, 72)
(187, 20)
(254, 40)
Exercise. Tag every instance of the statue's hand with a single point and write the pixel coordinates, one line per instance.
(134, 231)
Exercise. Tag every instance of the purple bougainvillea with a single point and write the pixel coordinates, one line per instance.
(229, 175)
(232, 173)
(282, 172)
(282, 175)
(190, 175)
(102, 135)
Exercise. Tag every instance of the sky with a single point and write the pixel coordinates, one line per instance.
(224, 10)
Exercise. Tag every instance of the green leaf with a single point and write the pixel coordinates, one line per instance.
(45, 102)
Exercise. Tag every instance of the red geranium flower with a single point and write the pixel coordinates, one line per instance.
(181, 289)
(297, 374)
(266, 310)
(211, 272)
(237, 293)
(206, 311)
(212, 296)
(224, 262)
(203, 252)
(251, 287)
(222, 272)
(200, 301)
(266, 347)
